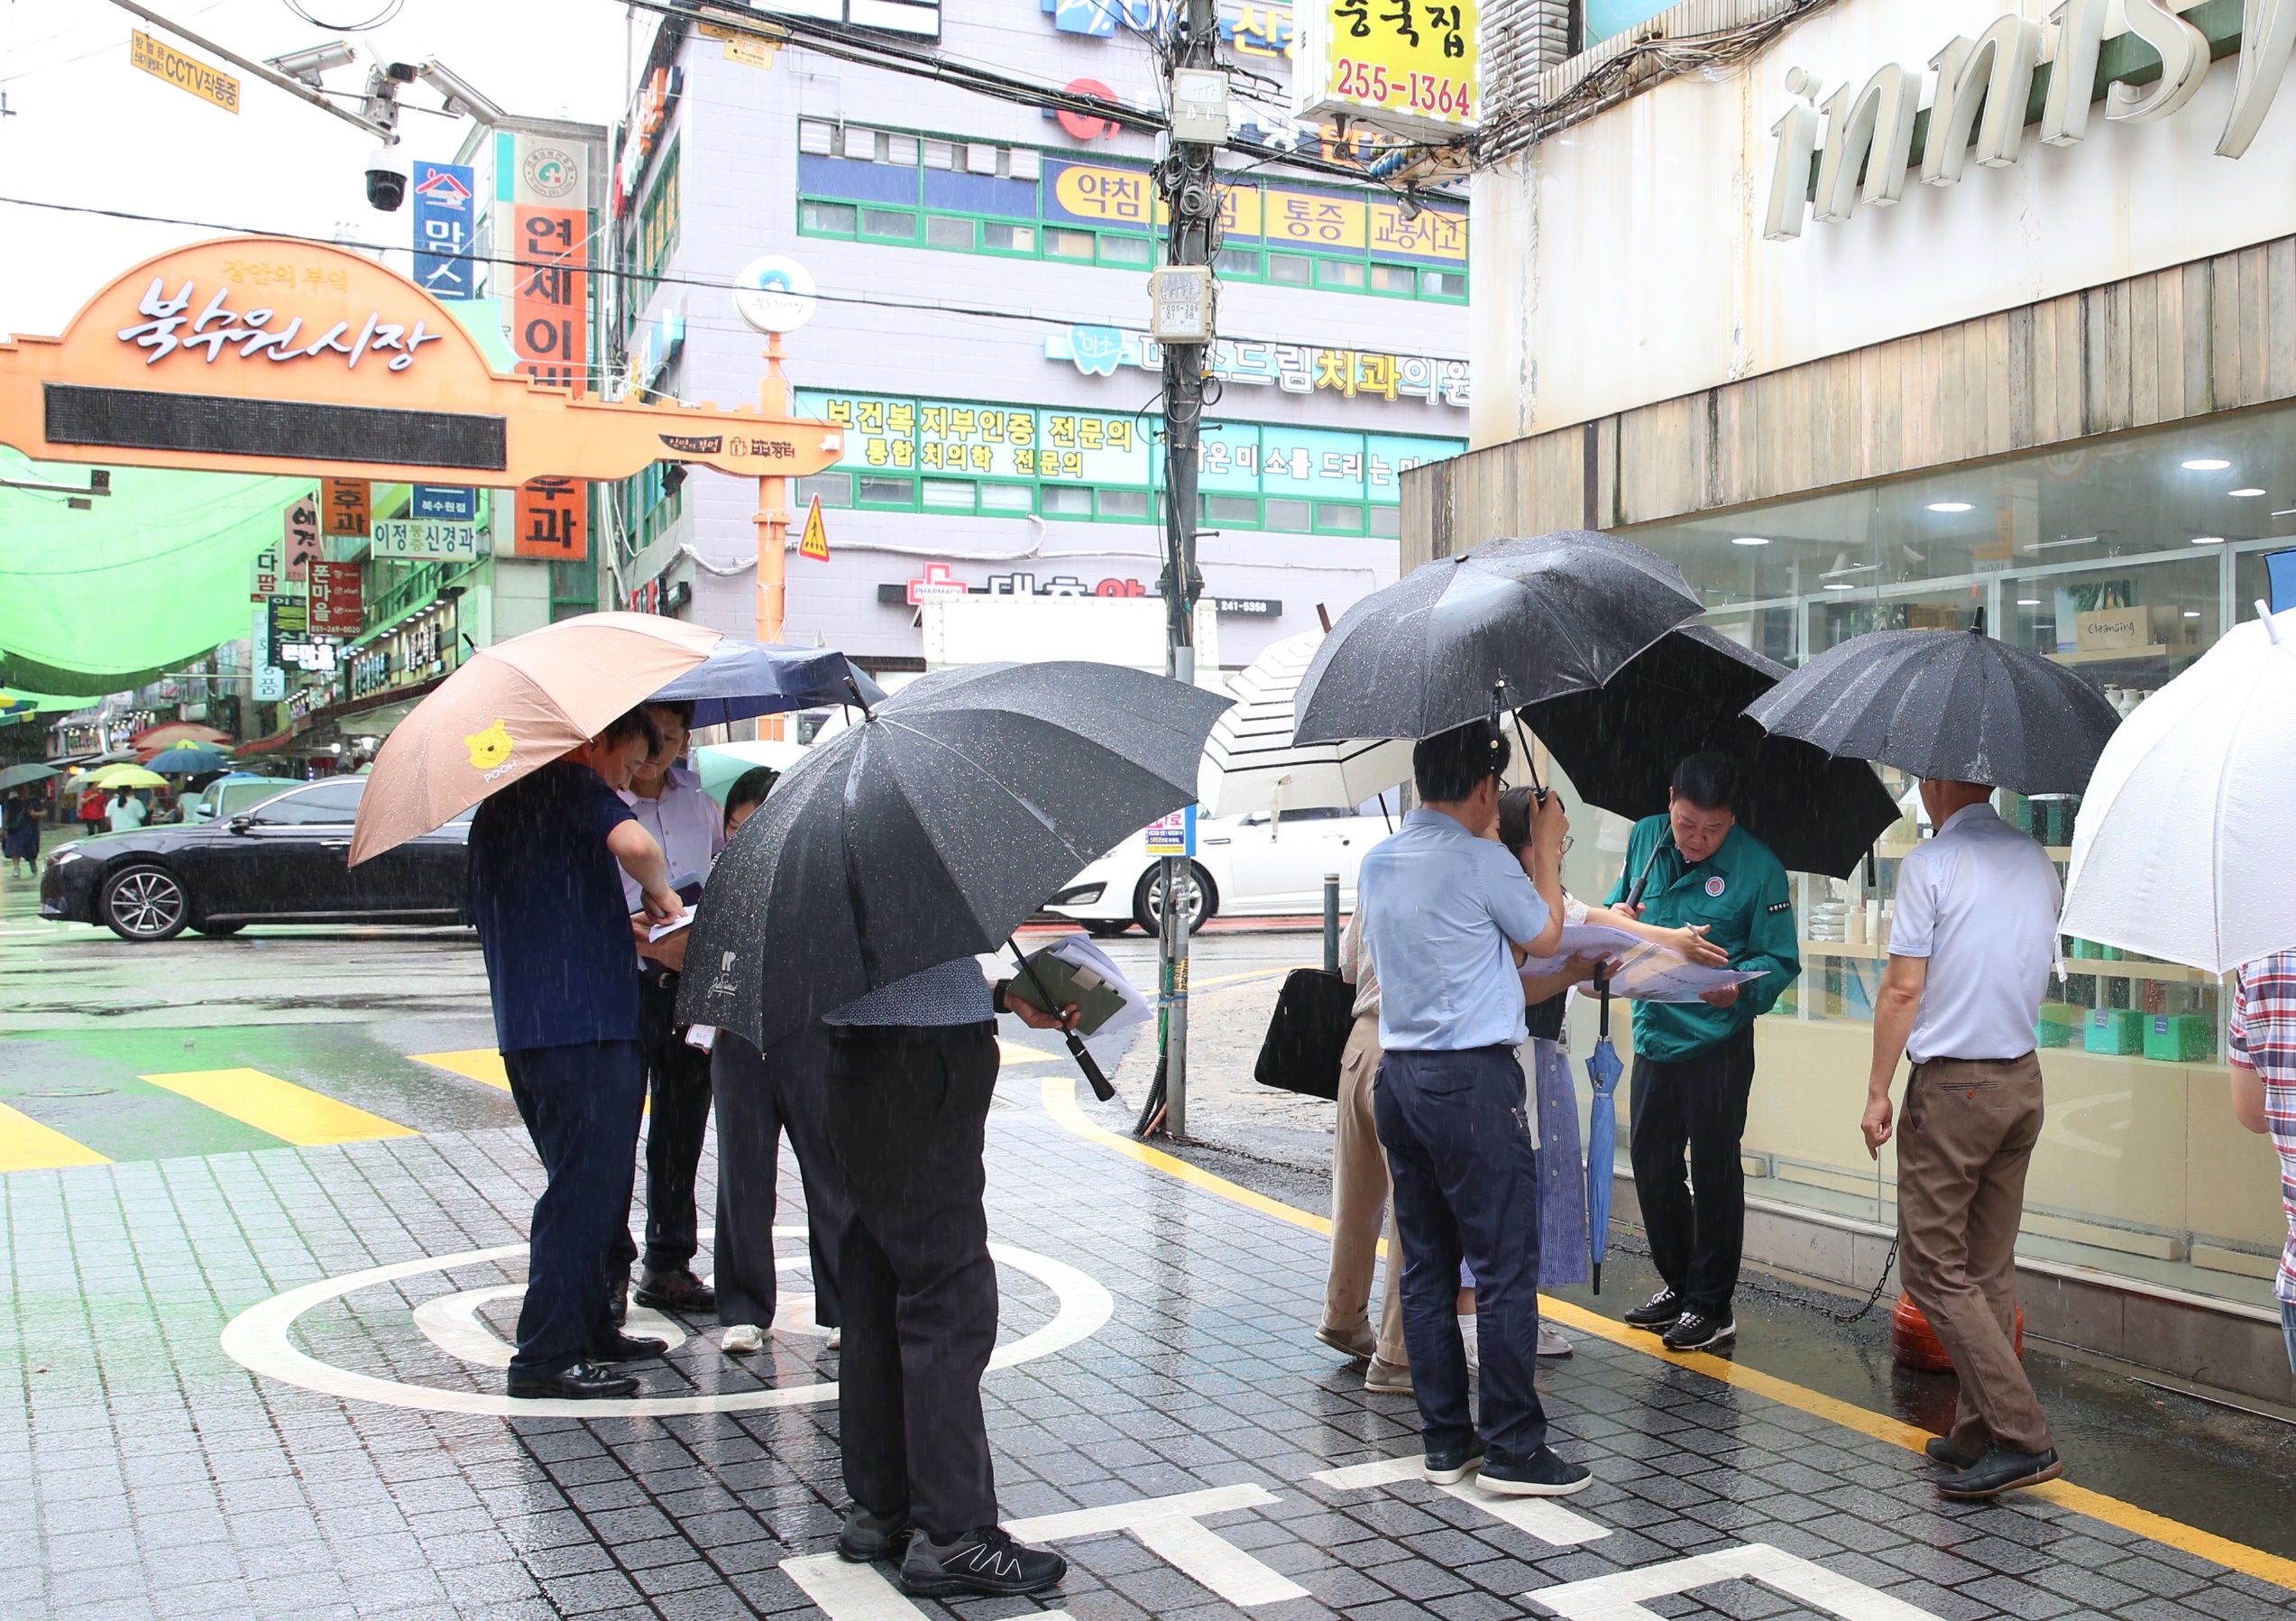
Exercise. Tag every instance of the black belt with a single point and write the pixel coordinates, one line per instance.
(658, 979)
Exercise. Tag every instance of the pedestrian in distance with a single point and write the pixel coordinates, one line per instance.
(1975, 933)
(547, 858)
(1360, 1199)
(2262, 1050)
(667, 801)
(1694, 867)
(94, 808)
(126, 812)
(912, 1067)
(1449, 915)
(21, 842)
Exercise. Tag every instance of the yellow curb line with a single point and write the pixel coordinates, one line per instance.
(1059, 1103)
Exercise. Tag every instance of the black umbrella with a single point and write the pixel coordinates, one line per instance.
(1538, 617)
(931, 831)
(1950, 704)
(1620, 742)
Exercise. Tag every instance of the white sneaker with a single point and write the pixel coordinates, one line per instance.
(836, 1339)
(1552, 1344)
(742, 1340)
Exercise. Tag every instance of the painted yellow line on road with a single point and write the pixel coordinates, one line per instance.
(1059, 1103)
(26, 1145)
(294, 1114)
(1012, 1052)
(479, 1063)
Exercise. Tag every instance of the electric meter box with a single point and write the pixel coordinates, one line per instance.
(1181, 299)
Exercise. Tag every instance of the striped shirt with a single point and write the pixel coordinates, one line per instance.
(2264, 1039)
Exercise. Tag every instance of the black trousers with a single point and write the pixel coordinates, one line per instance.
(907, 1109)
(579, 1104)
(1698, 1103)
(757, 1094)
(678, 1076)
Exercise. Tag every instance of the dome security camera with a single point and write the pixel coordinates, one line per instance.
(387, 177)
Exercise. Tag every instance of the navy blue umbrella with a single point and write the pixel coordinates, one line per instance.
(739, 679)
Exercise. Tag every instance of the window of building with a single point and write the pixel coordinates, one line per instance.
(1240, 262)
(1007, 498)
(1291, 268)
(1067, 501)
(949, 494)
(1335, 518)
(828, 219)
(1289, 516)
(1124, 503)
(657, 217)
(1339, 273)
(889, 491)
(1126, 250)
(1398, 279)
(831, 489)
(1069, 244)
(997, 236)
(1443, 284)
(942, 231)
(1232, 509)
(890, 223)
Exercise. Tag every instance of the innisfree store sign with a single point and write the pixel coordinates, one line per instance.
(1863, 143)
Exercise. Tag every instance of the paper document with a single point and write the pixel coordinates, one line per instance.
(1074, 970)
(683, 920)
(1648, 971)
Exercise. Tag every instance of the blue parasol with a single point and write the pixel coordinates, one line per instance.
(1603, 1070)
(189, 759)
(739, 679)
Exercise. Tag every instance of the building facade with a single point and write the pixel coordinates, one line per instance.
(1810, 312)
(980, 332)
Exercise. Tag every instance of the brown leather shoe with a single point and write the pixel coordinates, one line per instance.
(680, 1291)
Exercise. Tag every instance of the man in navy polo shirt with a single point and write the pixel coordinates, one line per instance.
(547, 856)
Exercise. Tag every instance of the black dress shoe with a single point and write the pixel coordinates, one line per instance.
(628, 1348)
(1940, 1452)
(583, 1382)
(987, 1561)
(678, 1291)
(2000, 1470)
(866, 1536)
(1657, 1313)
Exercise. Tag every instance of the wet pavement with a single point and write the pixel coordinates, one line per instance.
(259, 1345)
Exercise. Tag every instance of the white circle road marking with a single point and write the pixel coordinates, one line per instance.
(257, 1340)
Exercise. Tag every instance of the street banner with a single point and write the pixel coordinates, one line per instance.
(186, 73)
(446, 503)
(302, 546)
(339, 599)
(815, 545)
(553, 519)
(419, 540)
(445, 200)
(346, 507)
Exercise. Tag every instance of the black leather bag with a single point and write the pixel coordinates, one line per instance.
(1313, 1015)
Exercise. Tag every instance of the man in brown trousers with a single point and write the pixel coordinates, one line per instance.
(1969, 962)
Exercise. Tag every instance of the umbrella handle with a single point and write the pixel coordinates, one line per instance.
(1602, 990)
(1077, 1049)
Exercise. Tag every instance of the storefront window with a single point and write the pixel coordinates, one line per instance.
(2122, 560)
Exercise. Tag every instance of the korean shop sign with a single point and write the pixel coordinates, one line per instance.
(1404, 65)
(1289, 368)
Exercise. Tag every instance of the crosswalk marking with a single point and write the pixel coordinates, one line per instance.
(478, 1063)
(26, 1145)
(292, 1113)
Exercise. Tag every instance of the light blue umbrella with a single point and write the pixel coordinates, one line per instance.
(739, 679)
(1603, 1070)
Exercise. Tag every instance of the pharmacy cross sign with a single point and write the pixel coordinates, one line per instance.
(274, 355)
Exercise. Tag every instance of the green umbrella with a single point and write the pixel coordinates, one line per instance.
(719, 764)
(15, 776)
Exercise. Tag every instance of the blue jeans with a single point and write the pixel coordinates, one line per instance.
(581, 1104)
(1467, 1189)
(2288, 1327)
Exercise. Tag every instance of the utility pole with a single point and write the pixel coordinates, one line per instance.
(1182, 318)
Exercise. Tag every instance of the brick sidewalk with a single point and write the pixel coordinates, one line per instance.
(1194, 1454)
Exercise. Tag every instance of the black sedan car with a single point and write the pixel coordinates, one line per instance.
(282, 861)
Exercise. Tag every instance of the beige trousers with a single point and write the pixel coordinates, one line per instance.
(1968, 1135)
(1359, 1200)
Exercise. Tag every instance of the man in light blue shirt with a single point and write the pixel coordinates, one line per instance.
(1449, 915)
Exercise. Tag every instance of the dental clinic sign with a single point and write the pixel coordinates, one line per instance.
(1875, 133)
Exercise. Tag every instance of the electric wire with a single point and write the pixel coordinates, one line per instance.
(388, 12)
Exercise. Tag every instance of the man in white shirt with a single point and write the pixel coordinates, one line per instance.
(1969, 963)
(667, 801)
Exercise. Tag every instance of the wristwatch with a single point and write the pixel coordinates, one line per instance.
(996, 995)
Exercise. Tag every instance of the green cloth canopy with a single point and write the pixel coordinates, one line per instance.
(154, 575)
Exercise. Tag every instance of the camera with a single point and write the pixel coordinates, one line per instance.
(387, 177)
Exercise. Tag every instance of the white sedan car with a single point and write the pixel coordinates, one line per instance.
(1245, 866)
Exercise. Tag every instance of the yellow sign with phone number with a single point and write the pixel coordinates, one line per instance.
(1407, 65)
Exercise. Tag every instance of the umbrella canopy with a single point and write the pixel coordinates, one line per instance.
(739, 679)
(1251, 762)
(2184, 848)
(153, 739)
(15, 776)
(187, 759)
(513, 708)
(931, 831)
(1538, 617)
(1955, 705)
(720, 765)
(126, 777)
(1683, 694)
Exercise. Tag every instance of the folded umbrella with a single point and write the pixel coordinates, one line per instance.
(1951, 706)
(2184, 848)
(1252, 762)
(1620, 742)
(1530, 619)
(740, 679)
(1602, 1072)
(931, 831)
(513, 708)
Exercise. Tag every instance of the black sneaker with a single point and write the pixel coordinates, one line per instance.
(866, 1536)
(1657, 1313)
(583, 1382)
(1544, 1474)
(1694, 1331)
(987, 1561)
(1447, 1466)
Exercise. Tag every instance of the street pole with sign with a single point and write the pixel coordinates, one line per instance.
(774, 295)
(1182, 318)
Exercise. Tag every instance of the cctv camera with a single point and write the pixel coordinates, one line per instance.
(387, 174)
(307, 65)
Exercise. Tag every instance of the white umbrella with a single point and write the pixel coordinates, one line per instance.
(1251, 763)
(2185, 848)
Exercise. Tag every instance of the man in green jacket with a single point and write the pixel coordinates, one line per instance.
(1693, 1061)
